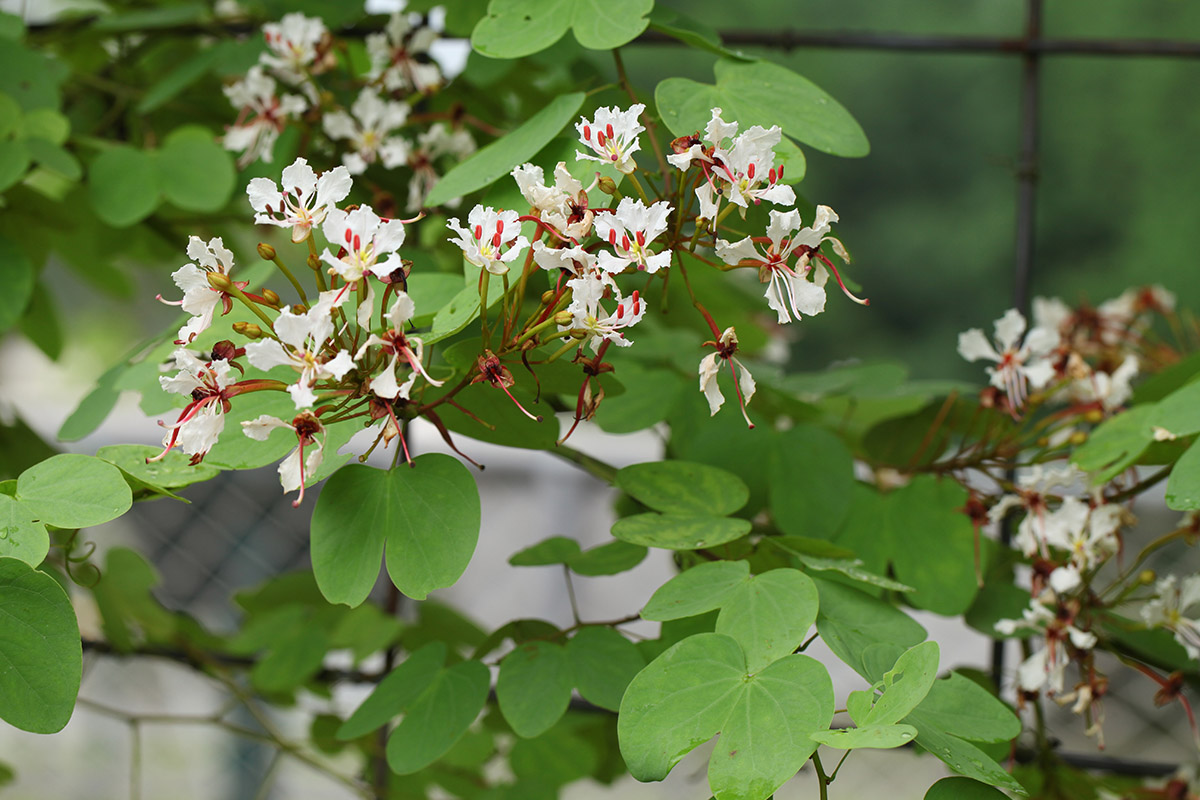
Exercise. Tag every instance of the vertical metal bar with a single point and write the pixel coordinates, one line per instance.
(1027, 177)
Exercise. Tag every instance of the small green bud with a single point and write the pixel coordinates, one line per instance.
(314, 262)
(607, 185)
(548, 297)
(271, 298)
(579, 334)
(219, 282)
(1094, 416)
(563, 318)
(266, 252)
(248, 329)
(1078, 438)
(1147, 576)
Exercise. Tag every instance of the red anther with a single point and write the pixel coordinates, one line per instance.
(357, 243)
(779, 175)
(771, 175)
(499, 226)
(587, 132)
(612, 236)
(641, 238)
(478, 232)
(621, 311)
(299, 192)
(750, 171)
(349, 236)
(600, 139)
(625, 242)
(609, 131)
(636, 301)
(341, 253)
(496, 240)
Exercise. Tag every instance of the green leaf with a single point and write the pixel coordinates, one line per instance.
(54, 157)
(1179, 412)
(14, 162)
(873, 736)
(690, 32)
(769, 615)
(963, 789)
(557, 757)
(1183, 488)
(29, 76)
(173, 472)
(679, 531)
(683, 487)
(439, 717)
(965, 758)
(46, 124)
(428, 516)
(126, 604)
(195, 172)
(851, 621)
(933, 544)
(20, 536)
(17, 276)
(603, 663)
(178, 79)
(534, 687)
(497, 159)
(905, 685)
(850, 567)
(74, 491)
(608, 559)
(41, 324)
(961, 707)
(702, 588)
(123, 186)
(41, 660)
(811, 478)
(165, 17)
(1116, 445)
(555, 550)
(700, 687)
(516, 28)
(396, 693)
(292, 660)
(766, 94)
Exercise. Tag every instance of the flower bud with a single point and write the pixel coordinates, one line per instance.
(548, 297)
(248, 329)
(266, 252)
(271, 298)
(299, 309)
(607, 185)
(1094, 416)
(219, 282)
(579, 334)
(1147, 576)
(224, 349)
(563, 318)
(314, 262)
(1078, 438)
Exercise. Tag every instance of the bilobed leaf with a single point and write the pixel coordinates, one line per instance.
(769, 615)
(905, 685)
(52, 156)
(497, 159)
(608, 559)
(172, 472)
(123, 186)
(811, 478)
(933, 544)
(683, 487)
(17, 276)
(963, 789)
(1183, 488)
(679, 531)
(534, 687)
(603, 663)
(965, 758)
(555, 550)
(850, 622)
(439, 717)
(41, 660)
(20, 536)
(74, 491)
(31, 77)
(873, 736)
(291, 660)
(961, 707)
(396, 693)
(428, 515)
(516, 28)
(195, 172)
(697, 590)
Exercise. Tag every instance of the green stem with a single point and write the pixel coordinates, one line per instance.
(638, 185)
(483, 308)
(822, 779)
(250, 304)
(287, 273)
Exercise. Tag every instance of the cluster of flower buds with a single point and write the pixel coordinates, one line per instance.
(367, 129)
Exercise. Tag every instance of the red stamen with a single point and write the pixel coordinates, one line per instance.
(625, 241)
(750, 171)
(609, 131)
(496, 240)
(641, 238)
(636, 302)
(612, 236)
(349, 236)
(771, 175)
(587, 132)
(621, 311)
(779, 175)
(600, 139)
(357, 243)
(478, 232)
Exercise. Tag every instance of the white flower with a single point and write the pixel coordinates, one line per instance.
(1111, 391)
(710, 365)
(1020, 362)
(202, 420)
(304, 199)
(297, 467)
(439, 140)
(630, 230)
(363, 239)
(588, 315)
(790, 292)
(491, 232)
(575, 260)
(613, 136)
(302, 346)
(400, 346)
(292, 45)
(1044, 669)
(393, 56)
(367, 131)
(562, 206)
(200, 298)
(261, 116)
(1040, 525)
(1169, 610)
